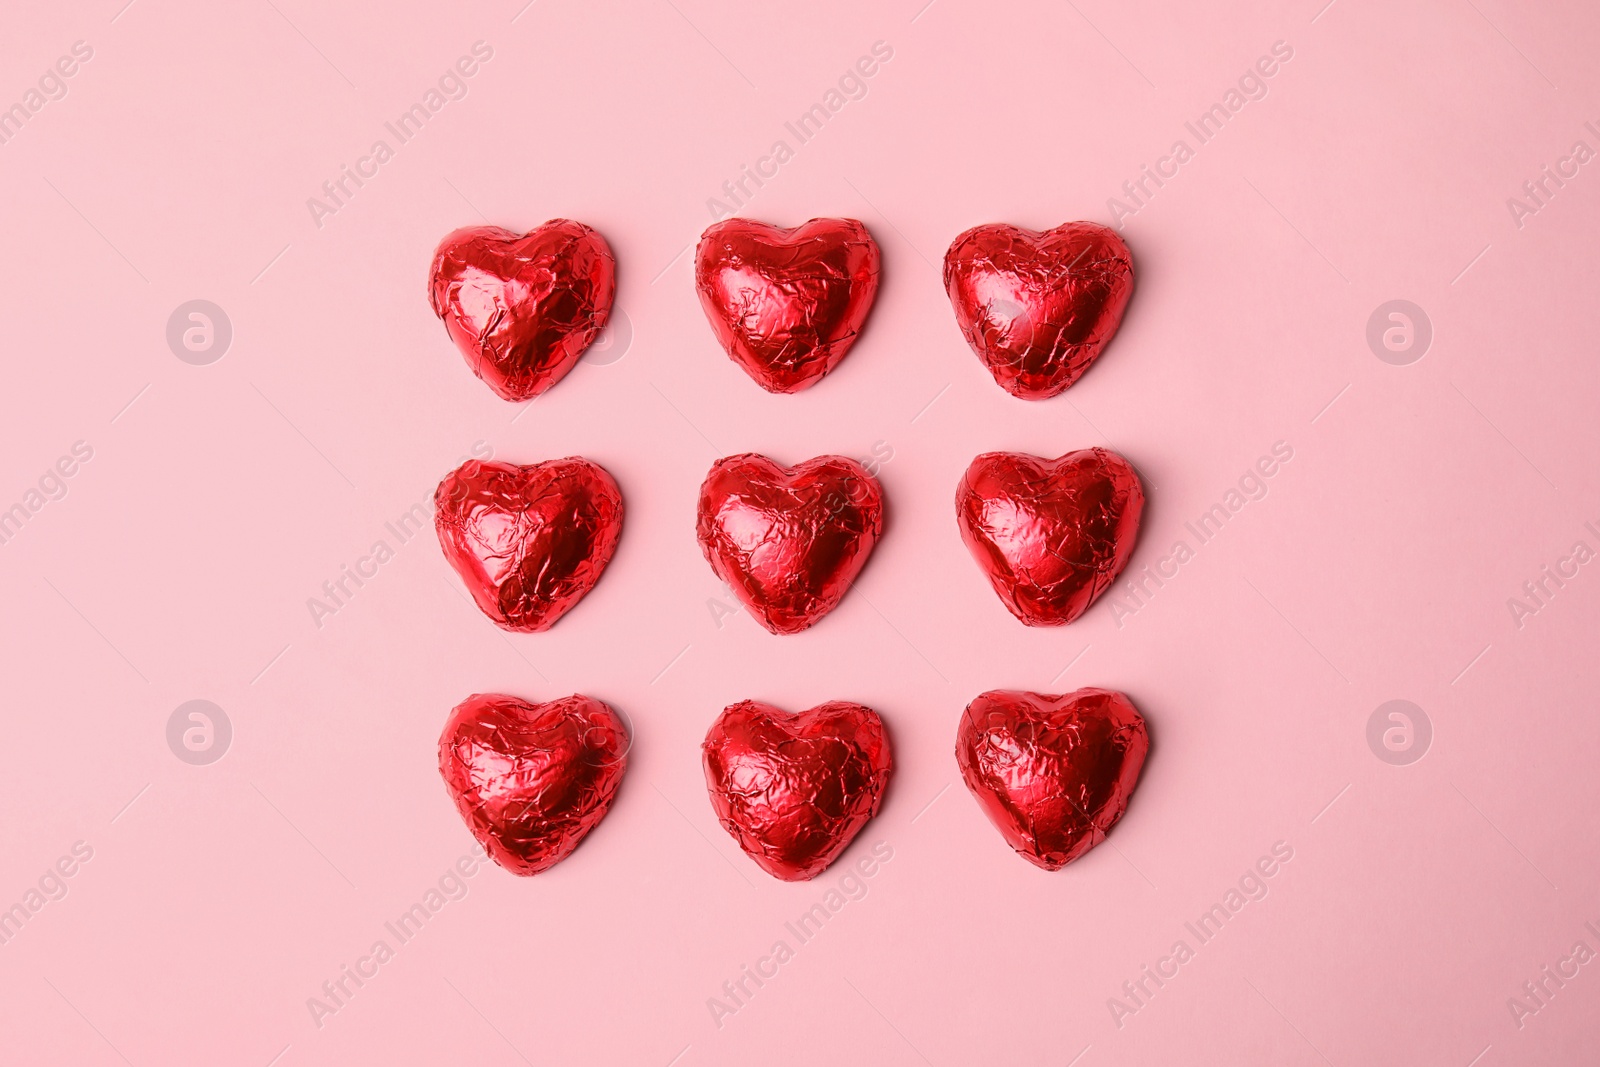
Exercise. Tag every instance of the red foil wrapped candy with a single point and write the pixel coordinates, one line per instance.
(788, 540)
(786, 305)
(1038, 308)
(1053, 773)
(528, 541)
(794, 790)
(531, 780)
(522, 308)
(1050, 535)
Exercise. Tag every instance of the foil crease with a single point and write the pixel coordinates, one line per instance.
(522, 308)
(1053, 773)
(1038, 308)
(787, 304)
(531, 780)
(788, 541)
(528, 541)
(794, 790)
(1050, 535)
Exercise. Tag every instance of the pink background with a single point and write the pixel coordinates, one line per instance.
(1419, 498)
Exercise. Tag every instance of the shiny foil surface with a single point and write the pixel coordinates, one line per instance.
(794, 790)
(531, 780)
(786, 305)
(1038, 308)
(528, 541)
(522, 308)
(1050, 535)
(1053, 773)
(789, 541)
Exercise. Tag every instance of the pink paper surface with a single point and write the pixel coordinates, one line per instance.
(1382, 563)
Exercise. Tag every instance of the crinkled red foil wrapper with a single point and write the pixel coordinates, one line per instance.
(787, 304)
(522, 308)
(1050, 535)
(1053, 773)
(1038, 308)
(528, 541)
(531, 780)
(788, 541)
(794, 790)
